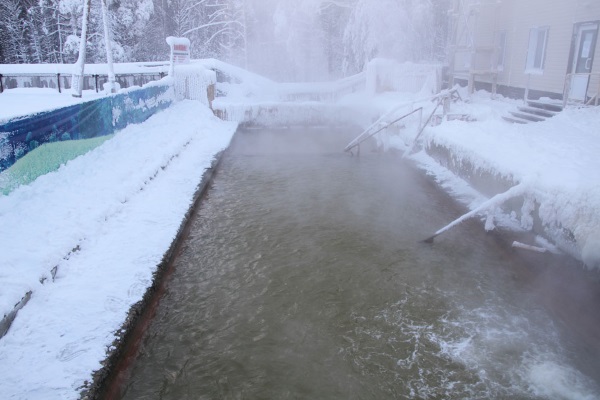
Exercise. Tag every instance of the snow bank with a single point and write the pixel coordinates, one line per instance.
(104, 220)
(557, 159)
(556, 156)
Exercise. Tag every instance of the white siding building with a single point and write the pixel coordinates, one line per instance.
(527, 48)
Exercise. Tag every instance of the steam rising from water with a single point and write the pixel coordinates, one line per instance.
(312, 284)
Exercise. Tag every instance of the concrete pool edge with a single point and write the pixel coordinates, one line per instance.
(123, 350)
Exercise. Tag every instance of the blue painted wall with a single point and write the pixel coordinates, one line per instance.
(87, 120)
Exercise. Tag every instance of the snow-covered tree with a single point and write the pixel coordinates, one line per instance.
(399, 29)
(284, 39)
(13, 32)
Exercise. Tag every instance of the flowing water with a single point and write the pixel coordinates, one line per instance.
(303, 277)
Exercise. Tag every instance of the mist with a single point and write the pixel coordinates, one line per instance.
(320, 40)
(285, 40)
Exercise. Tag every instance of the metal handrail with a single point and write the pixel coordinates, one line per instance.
(567, 88)
(365, 135)
(58, 76)
(440, 98)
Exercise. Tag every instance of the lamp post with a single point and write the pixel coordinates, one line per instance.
(77, 77)
(110, 86)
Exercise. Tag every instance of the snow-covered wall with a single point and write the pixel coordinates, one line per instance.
(85, 120)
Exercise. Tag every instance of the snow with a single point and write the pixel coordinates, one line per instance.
(154, 67)
(20, 101)
(105, 219)
(557, 158)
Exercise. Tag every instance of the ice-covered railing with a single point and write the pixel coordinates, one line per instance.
(384, 75)
(322, 91)
(238, 84)
(248, 98)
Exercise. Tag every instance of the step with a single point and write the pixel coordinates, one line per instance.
(550, 106)
(538, 111)
(515, 120)
(529, 117)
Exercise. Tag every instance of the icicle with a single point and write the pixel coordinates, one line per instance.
(526, 210)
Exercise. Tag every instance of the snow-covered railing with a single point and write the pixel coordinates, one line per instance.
(390, 76)
(378, 127)
(58, 76)
(322, 91)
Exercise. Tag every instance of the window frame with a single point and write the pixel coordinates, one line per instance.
(501, 38)
(536, 54)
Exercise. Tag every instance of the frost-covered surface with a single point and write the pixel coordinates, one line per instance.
(21, 101)
(191, 82)
(105, 220)
(557, 159)
(390, 76)
(120, 68)
(241, 84)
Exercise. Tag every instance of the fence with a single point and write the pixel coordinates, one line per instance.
(84, 120)
(63, 81)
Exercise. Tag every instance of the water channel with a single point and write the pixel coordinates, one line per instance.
(303, 277)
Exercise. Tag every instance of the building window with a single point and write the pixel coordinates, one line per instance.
(538, 37)
(501, 49)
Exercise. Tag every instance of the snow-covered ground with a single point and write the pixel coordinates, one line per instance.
(22, 101)
(105, 220)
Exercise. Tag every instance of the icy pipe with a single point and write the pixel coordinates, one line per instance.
(495, 201)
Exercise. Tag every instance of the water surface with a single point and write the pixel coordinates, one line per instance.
(304, 277)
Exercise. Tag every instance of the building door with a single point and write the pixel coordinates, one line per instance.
(583, 57)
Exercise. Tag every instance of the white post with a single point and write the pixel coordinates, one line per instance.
(110, 86)
(77, 77)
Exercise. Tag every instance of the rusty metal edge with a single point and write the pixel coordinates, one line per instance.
(120, 355)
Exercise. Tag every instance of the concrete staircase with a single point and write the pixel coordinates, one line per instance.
(534, 111)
